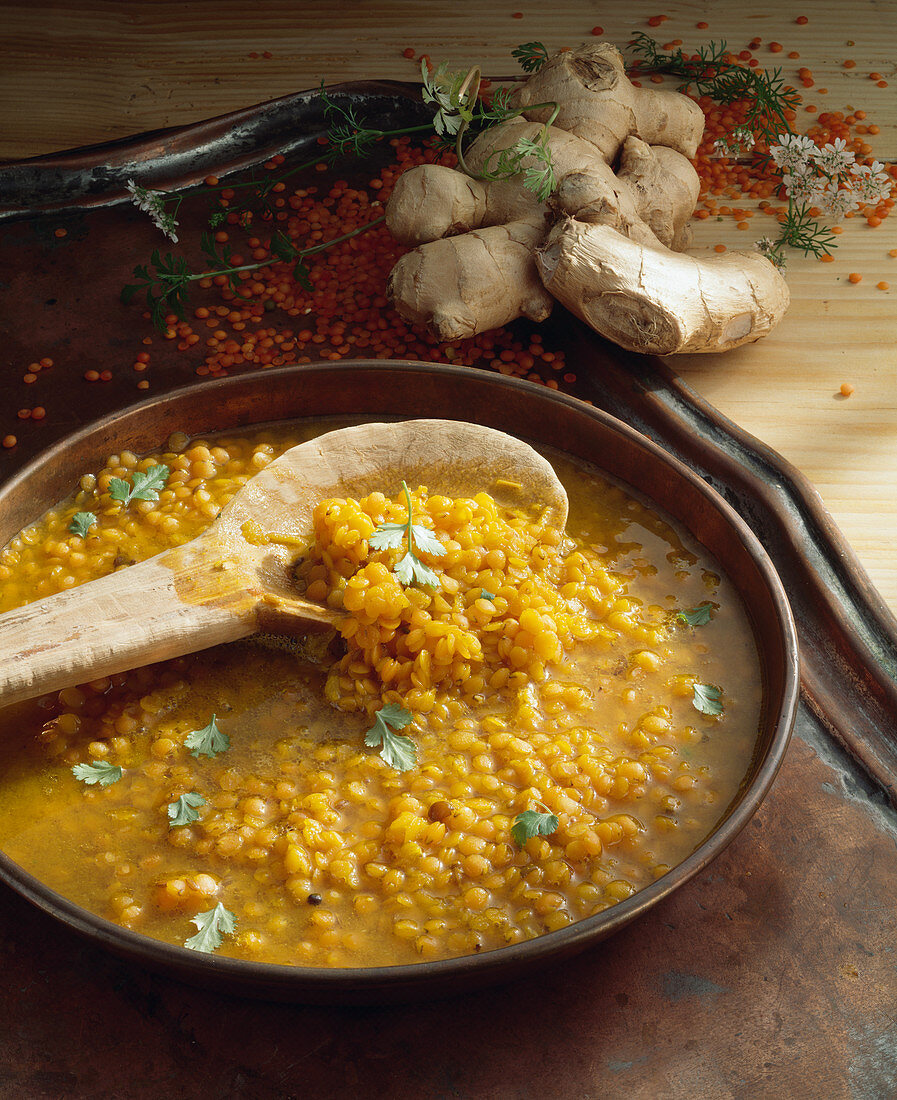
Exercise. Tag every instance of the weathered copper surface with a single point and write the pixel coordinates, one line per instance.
(773, 973)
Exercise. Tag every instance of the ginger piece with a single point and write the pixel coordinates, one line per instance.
(461, 282)
(651, 299)
(624, 192)
(468, 284)
(598, 103)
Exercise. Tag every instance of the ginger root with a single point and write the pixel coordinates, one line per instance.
(607, 243)
(651, 299)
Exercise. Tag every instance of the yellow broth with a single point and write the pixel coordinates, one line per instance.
(325, 855)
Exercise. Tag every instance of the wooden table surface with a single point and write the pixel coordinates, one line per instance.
(75, 74)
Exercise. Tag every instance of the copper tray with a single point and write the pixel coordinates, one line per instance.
(735, 966)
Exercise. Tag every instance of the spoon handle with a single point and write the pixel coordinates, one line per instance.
(130, 618)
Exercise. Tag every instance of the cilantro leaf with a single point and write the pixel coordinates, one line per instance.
(531, 56)
(208, 741)
(397, 751)
(183, 810)
(485, 594)
(395, 716)
(697, 616)
(97, 771)
(411, 569)
(211, 925)
(144, 486)
(388, 536)
(706, 699)
(81, 523)
(532, 823)
(426, 540)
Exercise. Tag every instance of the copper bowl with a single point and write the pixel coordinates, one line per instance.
(399, 389)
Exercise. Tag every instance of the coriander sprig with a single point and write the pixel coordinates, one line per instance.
(459, 108)
(212, 925)
(714, 73)
(531, 55)
(707, 699)
(396, 750)
(812, 177)
(208, 741)
(388, 536)
(532, 823)
(184, 809)
(82, 523)
(97, 772)
(166, 286)
(696, 616)
(145, 485)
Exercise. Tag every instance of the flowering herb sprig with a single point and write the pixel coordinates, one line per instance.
(155, 204)
(819, 178)
(814, 178)
(166, 278)
(460, 108)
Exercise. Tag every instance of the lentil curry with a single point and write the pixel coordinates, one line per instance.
(603, 681)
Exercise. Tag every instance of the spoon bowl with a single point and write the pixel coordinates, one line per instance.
(234, 579)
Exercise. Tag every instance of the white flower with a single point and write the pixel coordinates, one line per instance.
(139, 196)
(871, 182)
(741, 140)
(770, 249)
(837, 203)
(153, 203)
(835, 157)
(793, 152)
(803, 187)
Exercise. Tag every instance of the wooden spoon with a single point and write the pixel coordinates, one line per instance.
(224, 585)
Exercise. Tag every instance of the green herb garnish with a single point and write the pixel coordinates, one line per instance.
(183, 810)
(211, 925)
(531, 56)
(485, 594)
(82, 523)
(532, 823)
(97, 771)
(396, 750)
(208, 741)
(706, 699)
(144, 486)
(716, 73)
(388, 536)
(696, 616)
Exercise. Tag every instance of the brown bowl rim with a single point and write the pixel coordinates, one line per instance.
(413, 980)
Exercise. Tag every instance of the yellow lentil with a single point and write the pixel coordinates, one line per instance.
(569, 690)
